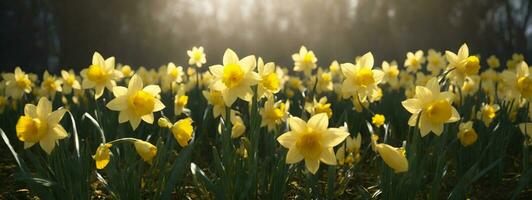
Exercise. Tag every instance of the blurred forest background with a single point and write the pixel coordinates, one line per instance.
(55, 34)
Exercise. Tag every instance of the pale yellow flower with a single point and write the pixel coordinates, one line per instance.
(390, 70)
(414, 61)
(518, 84)
(361, 79)
(304, 61)
(235, 77)
(126, 70)
(432, 107)
(70, 81)
(17, 83)
(180, 101)
(215, 99)
(146, 150)
(312, 141)
(136, 102)
(182, 131)
(325, 81)
(40, 125)
(196, 56)
(273, 113)
(493, 62)
(436, 62)
(466, 134)
(462, 65)
(100, 75)
(395, 158)
(50, 85)
(270, 80)
(487, 113)
(102, 155)
(320, 106)
(238, 126)
(174, 74)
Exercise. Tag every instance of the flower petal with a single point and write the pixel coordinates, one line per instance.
(319, 121)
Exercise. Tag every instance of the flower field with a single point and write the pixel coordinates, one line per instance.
(439, 125)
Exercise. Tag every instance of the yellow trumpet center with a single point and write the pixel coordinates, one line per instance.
(49, 83)
(233, 75)
(70, 80)
(96, 74)
(364, 77)
(31, 130)
(197, 55)
(468, 137)
(472, 66)
(271, 82)
(439, 111)
(308, 58)
(142, 103)
(309, 144)
(490, 112)
(126, 70)
(182, 101)
(23, 82)
(174, 73)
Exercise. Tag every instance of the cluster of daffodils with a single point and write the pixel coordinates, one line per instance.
(315, 114)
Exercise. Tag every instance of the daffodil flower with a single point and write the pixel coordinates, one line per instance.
(136, 102)
(40, 125)
(312, 141)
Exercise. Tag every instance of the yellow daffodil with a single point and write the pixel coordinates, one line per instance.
(215, 99)
(174, 74)
(312, 141)
(466, 134)
(270, 80)
(70, 81)
(50, 85)
(361, 79)
(325, 81)
(518, 83)
(414, 61)
(126, 70)
(462, 65)
(378, 120)
(146, 150)
(335, 70)
(40, 125)
(196, 56)
(317, 107)
(100, 75)
(136, 102)
(182, 131)
(102, 155)
(436, 62)
(273, 113)
(238, 127)
(390, 71)
(493, 62)
(235, 77)
(164, 122)
(304, 61)
(180, 101)
(487, 113)
(350, 152)
(394, 157)
(434, 108)
(17, 83)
